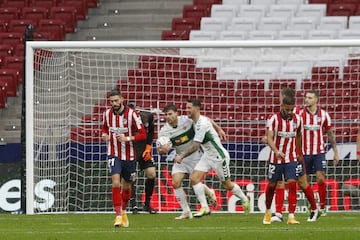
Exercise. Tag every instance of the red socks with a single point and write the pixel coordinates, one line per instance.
(322, 194)
(292, 197)
(125, 197)
(116, 198)
(270, 190)
(309, 193)
(279, 199)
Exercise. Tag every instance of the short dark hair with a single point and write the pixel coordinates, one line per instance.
(115, 92)
(169, 108)
(288, 92)
(288, 100)
(131, 105)
(195, 102)
(312, 91)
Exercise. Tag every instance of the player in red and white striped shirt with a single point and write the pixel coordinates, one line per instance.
(317, 122)
(302, 179)
(284, 139)
(121, 127)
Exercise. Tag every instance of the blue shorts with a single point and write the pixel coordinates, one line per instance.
(300, 169)
(277, 171)
(126, 169)
(315, 163)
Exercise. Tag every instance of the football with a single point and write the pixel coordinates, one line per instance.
(162, 141)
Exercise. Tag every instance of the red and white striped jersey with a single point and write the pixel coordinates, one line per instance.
(315, 125)
(128, 122)
(284, 137)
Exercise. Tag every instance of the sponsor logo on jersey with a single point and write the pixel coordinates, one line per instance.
(311, 127)
(286, 134)
(118, 130)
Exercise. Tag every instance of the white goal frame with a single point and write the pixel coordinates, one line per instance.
(32, 45)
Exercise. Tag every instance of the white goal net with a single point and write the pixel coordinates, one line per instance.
(238, 83)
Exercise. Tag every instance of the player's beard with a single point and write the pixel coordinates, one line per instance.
(116, 109)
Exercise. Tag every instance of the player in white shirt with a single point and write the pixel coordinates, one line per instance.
(181, 133)
(215, 157)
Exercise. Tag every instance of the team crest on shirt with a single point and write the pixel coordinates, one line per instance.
(124, 121)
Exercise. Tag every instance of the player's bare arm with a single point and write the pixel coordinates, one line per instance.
(218, 129)
(105, 137)
(194, 147)
(298, 140)
(270, 139)
(331, 137)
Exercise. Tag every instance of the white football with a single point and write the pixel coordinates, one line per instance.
(162, 141)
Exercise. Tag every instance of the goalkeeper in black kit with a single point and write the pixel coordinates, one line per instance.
(145, 163)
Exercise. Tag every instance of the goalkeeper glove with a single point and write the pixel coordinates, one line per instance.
(147, 153)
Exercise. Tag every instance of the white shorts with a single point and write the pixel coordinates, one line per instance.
(220, 165)
(187, 165)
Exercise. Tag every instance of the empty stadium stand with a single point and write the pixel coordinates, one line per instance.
(252, 90)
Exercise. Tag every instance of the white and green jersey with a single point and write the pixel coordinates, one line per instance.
(210, 141)
(181, 136)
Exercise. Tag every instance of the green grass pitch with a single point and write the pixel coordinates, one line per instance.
(163, 226)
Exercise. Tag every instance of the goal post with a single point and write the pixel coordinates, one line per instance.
(238, 83)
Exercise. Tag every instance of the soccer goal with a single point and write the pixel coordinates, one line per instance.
(238, 83)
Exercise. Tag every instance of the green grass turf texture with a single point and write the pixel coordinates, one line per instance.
(163, 226)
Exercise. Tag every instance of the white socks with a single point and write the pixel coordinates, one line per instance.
(181, 197)
(200, 194)
(239, 193)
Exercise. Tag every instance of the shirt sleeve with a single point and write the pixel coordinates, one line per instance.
(141, 135)
(270, 123)
(201, 127)
(327, 122)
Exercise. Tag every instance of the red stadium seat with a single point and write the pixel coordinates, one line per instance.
(12, 38)
(92, 3)
(100, 108)
(282, 83)
(6, 50)
(320, 1)
(92, 118)
(3, 96)
(19, 50)
(347, 1)
(15, 3)
(4, 25)
(19, 25)
(11, 77)
(15, 63)
(86, 134)
(181, 24)
(34, 13)
(207, 74)
(329, 73)
(207, 2)
(54, 26)
(175, 35)
(66, 14)
(79, 5)
(44, 3)
(341, 9)
(9, 13)
(251, 84)
(196, 11)
(351, 72)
